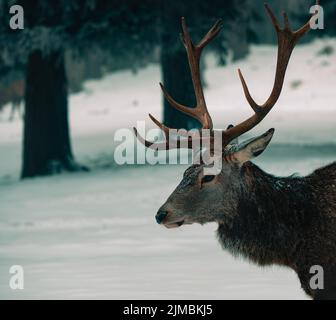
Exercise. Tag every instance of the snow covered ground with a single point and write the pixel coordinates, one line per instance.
(93, 235)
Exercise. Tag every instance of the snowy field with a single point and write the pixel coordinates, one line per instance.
(93, 235)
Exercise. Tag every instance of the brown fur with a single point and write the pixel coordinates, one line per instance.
(268, 220)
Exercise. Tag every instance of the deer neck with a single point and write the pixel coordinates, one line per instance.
(270, 218)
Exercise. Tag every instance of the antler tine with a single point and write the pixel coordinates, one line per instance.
(212, 33)
(166, 145)
(161, 126)
(287, 40)
(302, 31)
(149, 144)
(200, 112)
(166, 130)
(176, 105)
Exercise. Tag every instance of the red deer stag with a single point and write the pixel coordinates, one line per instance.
(288, 221)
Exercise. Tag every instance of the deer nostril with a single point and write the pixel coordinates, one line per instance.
(160, 216)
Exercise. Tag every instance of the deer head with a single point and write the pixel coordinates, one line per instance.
(202, 198)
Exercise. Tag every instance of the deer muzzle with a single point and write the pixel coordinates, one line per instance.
(168, 219)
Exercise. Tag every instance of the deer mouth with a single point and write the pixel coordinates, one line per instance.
(174, 223)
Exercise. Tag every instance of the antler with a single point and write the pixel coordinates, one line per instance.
(287, 39)
(200, 112)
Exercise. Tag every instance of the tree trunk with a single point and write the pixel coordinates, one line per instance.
(175, 68)
(177, 81)
(46, 147)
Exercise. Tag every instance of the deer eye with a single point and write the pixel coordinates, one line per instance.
(207, 179)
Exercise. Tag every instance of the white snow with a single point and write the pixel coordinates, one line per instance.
(93, 235)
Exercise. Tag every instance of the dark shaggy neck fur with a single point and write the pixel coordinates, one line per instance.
(285, 221)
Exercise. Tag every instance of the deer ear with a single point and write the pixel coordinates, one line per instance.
(252, 148)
